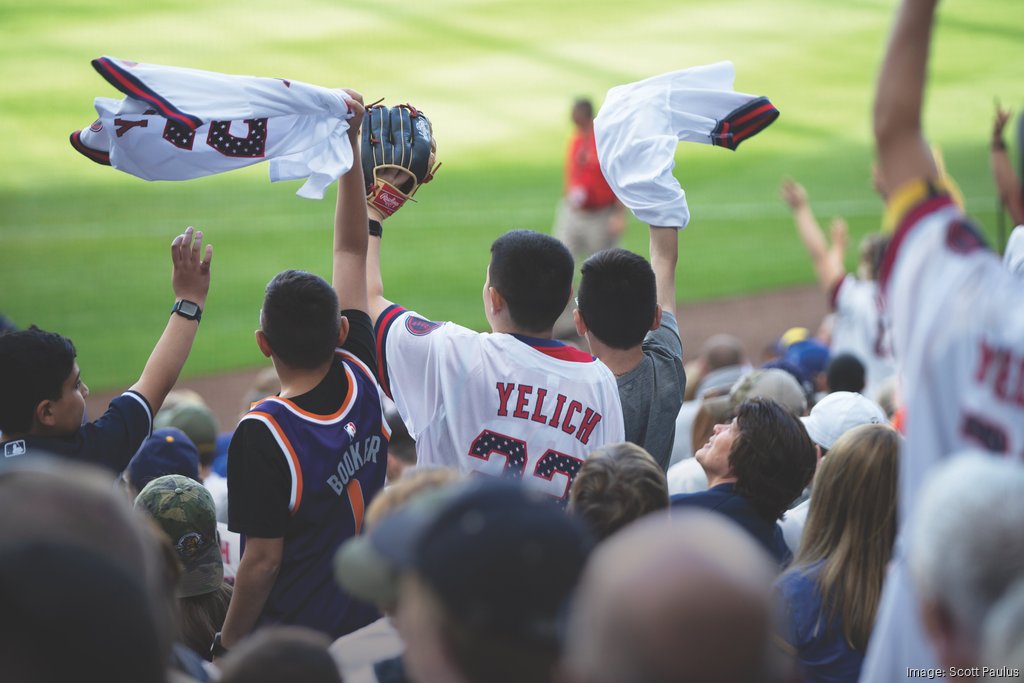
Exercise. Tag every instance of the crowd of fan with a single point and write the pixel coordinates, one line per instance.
(752, 546)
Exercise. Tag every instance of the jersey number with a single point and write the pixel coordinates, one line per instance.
(516, 457)
(219, 137)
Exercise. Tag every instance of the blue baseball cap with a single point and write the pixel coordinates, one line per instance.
(810, 355)
(167, 451)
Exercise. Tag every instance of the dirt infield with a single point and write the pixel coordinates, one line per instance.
(758, 320)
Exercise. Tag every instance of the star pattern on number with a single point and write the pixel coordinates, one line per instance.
(553, 461)
(252, 145)
(179, 135)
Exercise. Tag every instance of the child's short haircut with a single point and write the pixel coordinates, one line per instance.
(533, 273)
(618, 297)
(301, 319)
(34, 364)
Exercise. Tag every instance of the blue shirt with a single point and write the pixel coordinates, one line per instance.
(724, 500)
(822, 650)
(109, 442)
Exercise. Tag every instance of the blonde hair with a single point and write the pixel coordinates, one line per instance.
(851, 527)
(413, 482)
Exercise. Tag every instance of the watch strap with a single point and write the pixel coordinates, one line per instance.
(188, 309)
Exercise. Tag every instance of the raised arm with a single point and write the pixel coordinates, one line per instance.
(1010, 191)
(350, 238)
(664, 256)
(903, 154)
(190, 280)
(827, 261)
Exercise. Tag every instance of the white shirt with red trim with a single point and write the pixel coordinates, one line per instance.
(958, 333)
(178, 124)
(861, 328)
(498, 404)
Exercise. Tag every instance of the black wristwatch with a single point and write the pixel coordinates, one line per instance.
(188, 309)
(217, 649)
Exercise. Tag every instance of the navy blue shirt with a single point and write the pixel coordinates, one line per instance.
(724, 500)
(109, 442)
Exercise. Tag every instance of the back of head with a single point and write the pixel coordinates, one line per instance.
(670, 599)
(300, 319)
(617, 485)
(582, 112)
(281, 654)
(722, 350)
(773, 458)
(872, 251)
(533, 273)
(33, 367)
(851, 525)
(62, 504)
(965, 546)
(845, 372)
(617, 297)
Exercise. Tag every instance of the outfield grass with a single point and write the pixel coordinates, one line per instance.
(85, 247)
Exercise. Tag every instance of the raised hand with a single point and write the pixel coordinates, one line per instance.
(190, 277)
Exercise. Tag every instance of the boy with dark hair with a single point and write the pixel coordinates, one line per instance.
(533, 275)
(43, 404)
(626, 312)
(509, 403)
(303, 464)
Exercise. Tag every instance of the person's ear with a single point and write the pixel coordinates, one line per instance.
(45, 414)
(657, 317)
(581, 324)
(261, 341)
(496, 301)
(343, 331)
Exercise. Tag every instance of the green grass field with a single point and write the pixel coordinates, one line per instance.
(84, 247)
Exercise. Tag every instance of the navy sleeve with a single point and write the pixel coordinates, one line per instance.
(258, 483)
(114, 438)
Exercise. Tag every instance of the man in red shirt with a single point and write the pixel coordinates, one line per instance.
(589, 217)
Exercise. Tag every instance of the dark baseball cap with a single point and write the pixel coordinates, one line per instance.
(168, 451)
(502, 559)
(184, 510)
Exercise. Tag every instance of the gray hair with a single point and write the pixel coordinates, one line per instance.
(966, 545)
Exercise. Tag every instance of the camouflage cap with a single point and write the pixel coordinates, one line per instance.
(184, 509)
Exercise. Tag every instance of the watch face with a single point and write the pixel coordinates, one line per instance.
(188, 308)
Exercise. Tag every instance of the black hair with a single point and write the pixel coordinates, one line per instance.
(845, 372)
(773, 457)
(301, 319)
(584, 105)
(34, 364)
(618, 297)
(533, 273)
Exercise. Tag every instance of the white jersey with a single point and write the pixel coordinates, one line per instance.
(958, 332)
(499, 404)
(177, 124)
(861, 328)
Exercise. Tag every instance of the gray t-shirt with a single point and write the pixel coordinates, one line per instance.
(652, 392)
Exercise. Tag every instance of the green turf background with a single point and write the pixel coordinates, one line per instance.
(84, 247)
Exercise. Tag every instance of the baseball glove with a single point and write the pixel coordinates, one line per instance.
(398, 156)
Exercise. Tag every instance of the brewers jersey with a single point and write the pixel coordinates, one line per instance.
(498, 404)
(958, 333)
(177, 124)
(862, 328)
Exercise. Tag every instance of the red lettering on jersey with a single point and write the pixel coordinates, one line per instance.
(587, 425)
(504, 392)
(1003, 369)
(524, 395)
(537, 416)
(574, 407)
(558, 410)
(125, 125)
